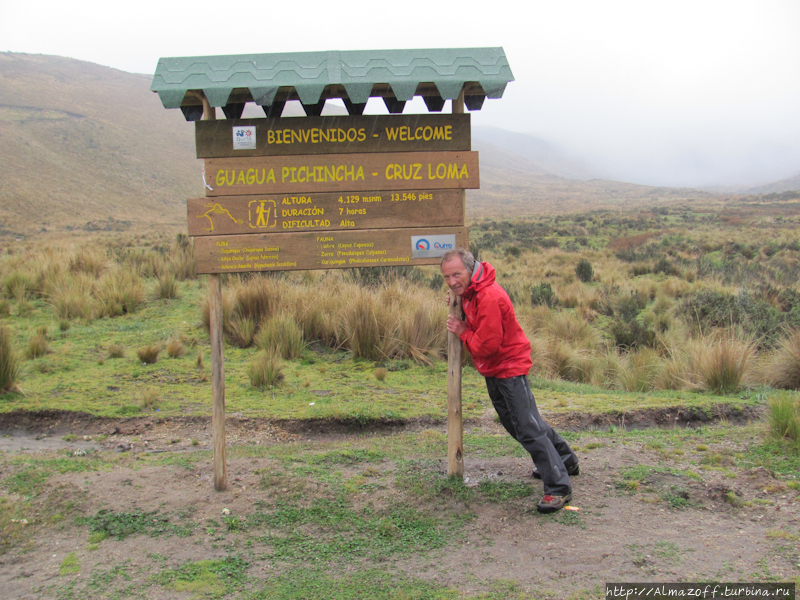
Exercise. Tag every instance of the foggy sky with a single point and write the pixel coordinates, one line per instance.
(660, 92)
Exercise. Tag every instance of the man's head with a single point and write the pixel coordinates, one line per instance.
(457, 266)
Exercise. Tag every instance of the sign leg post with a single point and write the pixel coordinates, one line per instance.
(455, 429)
(217, 382)
(455, 451)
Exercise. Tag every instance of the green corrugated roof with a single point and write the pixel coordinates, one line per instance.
(355, 76)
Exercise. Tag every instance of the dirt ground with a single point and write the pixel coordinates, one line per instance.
(615, 536)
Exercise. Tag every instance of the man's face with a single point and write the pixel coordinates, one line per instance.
(456, 275)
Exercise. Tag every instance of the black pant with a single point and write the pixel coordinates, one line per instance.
(513, 400)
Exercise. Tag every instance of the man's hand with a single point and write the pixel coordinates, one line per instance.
(456, 325)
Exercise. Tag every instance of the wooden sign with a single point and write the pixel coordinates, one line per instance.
(332, 135)
(326, 250)
(325, 211)
(341, 173)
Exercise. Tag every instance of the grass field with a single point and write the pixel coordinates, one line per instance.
(641, 323)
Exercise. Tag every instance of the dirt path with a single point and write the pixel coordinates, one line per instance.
(664, 527)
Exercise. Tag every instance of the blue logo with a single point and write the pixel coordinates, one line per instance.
(423, 244)
(441, 246)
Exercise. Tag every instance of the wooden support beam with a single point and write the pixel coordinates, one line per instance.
(455, 428)
(217, 361)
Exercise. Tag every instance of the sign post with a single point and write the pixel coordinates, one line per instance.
(324, 192)
(455, 429)
(217, 361)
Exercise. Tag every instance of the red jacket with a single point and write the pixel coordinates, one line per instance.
(493, 336)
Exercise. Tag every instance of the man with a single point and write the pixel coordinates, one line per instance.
(502, 354)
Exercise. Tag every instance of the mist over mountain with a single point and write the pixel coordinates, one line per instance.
(82, 145)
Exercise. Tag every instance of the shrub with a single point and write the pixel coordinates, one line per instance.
(632, 334)
(784, 416)
(265, 369)
(282, 335)
(584, 270)
(543, 294)
(9, 365)
(149, 354)
(665, 267)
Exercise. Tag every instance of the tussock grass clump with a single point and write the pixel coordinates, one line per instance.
(72, 296)
(358, 326)
(265, 369)
(5, 307)
(282, 335)
(18, 285)
(149, 398)
(119, 292)
(784, 416)
(149, 354)
(722, 364)
(241, 331)
(176, 348)
(116, 351)
(90, 260)
(639, 369)
(782, 368)
(9, 364)
(167, 287)
(259, 297)
(380, 374)
(37, 346)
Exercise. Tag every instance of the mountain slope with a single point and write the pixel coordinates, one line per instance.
(80, 142)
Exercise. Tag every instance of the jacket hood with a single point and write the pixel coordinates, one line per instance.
(483, 276)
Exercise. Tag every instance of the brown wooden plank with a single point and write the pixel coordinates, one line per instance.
(332, 135)
(341, 173)
(324, 250)
(228, 215)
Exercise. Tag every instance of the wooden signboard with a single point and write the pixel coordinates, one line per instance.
(326, 250)
(227, 215)
(332, 135)
(341, 173)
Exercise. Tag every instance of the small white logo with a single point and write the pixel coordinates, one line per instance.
(431, 246)
(244, 137)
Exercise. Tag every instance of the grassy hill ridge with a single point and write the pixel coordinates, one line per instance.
(80, 142)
